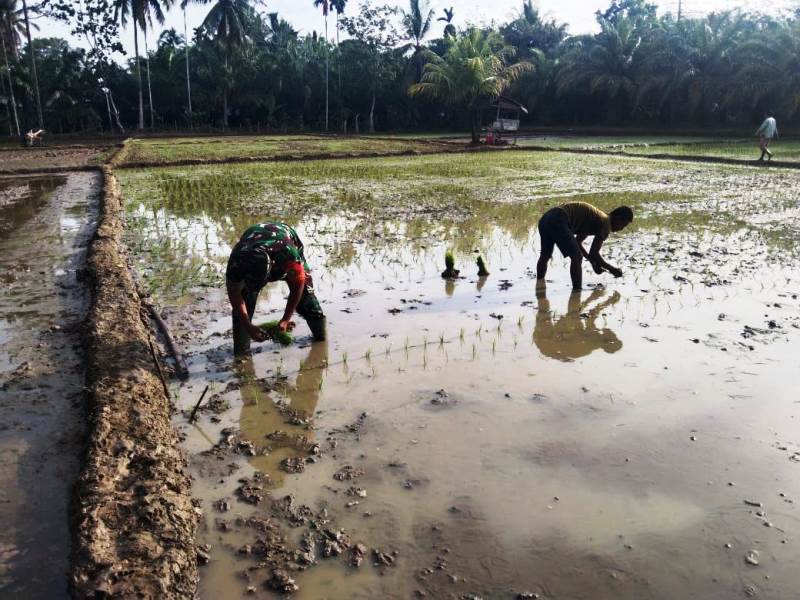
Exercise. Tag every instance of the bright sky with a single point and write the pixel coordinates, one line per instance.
(578, 14)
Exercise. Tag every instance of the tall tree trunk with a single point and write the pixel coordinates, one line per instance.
(138, 74)
(339, 71)
(149, 87)
(188, 79)
(33, 65)
(8, 110)
(11, 87)
(476, 126)
(225, 95)
(327, 72)
(372, 114)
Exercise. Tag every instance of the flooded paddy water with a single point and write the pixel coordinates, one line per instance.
(481, 437)
(45, 226)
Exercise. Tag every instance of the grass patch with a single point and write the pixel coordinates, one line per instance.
(743, 150)
(244, 147)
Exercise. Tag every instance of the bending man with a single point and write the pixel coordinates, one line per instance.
(568, 225)
(270, 252)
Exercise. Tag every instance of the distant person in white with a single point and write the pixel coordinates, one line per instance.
(766, 133)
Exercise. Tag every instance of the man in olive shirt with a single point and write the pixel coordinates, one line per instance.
(566, 226)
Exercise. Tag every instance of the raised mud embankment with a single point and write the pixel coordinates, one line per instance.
(135, 521)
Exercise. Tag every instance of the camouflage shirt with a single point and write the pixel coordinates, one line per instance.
(263, 254)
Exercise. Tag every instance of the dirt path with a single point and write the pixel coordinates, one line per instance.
(135, 521)
(45, 227)
(53, 159)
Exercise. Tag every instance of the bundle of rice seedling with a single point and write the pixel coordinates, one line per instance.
(450, 272)
(482, 270)
(273, 330)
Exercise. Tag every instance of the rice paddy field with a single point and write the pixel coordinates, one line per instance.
(485, 437)
(166, 150)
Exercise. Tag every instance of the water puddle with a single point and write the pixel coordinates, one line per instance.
(45, 227)
(481, 437)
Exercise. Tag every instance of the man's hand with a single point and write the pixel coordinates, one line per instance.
(615, 271)
(286, 325)
(598, 268)
(256, 333)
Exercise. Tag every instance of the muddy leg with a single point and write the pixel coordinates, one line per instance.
(310, 309)
(576, 271)
(241, 338)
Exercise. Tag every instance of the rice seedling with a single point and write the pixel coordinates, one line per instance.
(450, 271)
(344, 358)
(461, 335)
(368, 354)
(273, 331)
(482, 270)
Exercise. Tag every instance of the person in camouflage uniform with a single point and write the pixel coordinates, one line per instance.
(270, 252)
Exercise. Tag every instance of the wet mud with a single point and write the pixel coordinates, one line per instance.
(53, 159)
(483, 437)
(46, 224)
(135, 522)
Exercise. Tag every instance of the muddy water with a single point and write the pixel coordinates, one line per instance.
(45, 226)
(512, 439)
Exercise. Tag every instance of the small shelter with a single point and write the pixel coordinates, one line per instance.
(503, 118)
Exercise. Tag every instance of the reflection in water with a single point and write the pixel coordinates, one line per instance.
(574, 334)
(21, 199)
(449, 287)
(261, 416)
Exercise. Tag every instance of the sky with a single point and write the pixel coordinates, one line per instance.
(578, 14)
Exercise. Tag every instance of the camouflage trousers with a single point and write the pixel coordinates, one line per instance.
(308, 308)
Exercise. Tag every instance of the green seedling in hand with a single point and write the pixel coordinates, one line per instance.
(273, 330)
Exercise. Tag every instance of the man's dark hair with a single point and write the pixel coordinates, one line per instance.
(623, 213)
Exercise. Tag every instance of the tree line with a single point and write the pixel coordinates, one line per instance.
(380, 67)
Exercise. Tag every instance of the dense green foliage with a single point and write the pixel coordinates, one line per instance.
(401, 69)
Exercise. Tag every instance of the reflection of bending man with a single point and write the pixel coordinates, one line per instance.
(575, 334)
(261, 417)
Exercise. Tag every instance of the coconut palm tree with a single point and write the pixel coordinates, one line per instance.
(688, 67)
(604, 65)
(125, 10)
(769, 69)
(11, 25)
(416, 25)
(449, 29)
(474, 69)
(338, 6)
(226, 22)
(32, 57)
(147, 11)
(326, 5)
(184, 4)
(529, 31)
